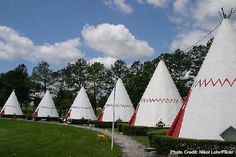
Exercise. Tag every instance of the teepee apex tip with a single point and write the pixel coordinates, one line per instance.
(224, 15)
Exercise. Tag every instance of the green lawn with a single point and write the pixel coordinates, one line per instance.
(35, 139)
(142, 139)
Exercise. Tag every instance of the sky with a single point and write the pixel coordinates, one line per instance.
(62, 31)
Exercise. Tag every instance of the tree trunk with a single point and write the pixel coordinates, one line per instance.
(26, 106)
(45, 86)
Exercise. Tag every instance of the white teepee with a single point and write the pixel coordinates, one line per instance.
(12, 106)
(46, 107)
(123, 105)
(211, 104)
(81, 107)
(160, 102)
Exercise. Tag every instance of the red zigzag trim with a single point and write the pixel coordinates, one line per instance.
(118, 105)
(222, 83)
(160, 100)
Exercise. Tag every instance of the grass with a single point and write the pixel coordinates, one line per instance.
(142, 139)
(34, 139)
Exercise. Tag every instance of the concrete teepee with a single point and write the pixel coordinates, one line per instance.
(123, 105)
(160, 102)
(81, 107)
(210, 107)
(12, 106)
(46, 107)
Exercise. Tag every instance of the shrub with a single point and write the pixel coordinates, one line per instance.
(164, 144)
(100, 124)
(135, 130)
(52, 119)
(156, 132)
(120, 126)
(29, 117)
(46, 119)
(79, 121)
(13, 116)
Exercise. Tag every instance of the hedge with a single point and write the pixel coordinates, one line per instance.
(138, 130)
(156, 132)
(135, 130)
(79, 121)
(100, 124)
(164, 145)
(46, 119)
(13, 116)
(120, 126)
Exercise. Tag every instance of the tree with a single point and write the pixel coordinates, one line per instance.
(64, 97)
(43, 75)
(18, 80)
(63, 101)
(197, 55)
(76, 74)
(119, 70)
(134, 82)
(98, 78)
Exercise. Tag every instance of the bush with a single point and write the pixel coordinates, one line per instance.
(46, 119)
(120, 126)
(100, 124)
(79, 121)
(156, 132)
(29, 117)
(13, 116)
(135, 130)
(164, 144)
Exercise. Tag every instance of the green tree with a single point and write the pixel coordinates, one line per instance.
(64, 97)
(63, 101)
(18, 80)
(135, 85)
(43, 75)
(119, 70)
(76, 74)
(197, 55)
(98, 83)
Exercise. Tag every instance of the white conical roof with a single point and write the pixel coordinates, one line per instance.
(46, 107)
(211, 106)
(160, 102)
(123, 105)
(12, 106)
(81, 107)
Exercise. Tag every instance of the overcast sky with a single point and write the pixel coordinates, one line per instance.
(61, 31)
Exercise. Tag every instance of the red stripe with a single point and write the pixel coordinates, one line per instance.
(100, 116)
(177, 124)
(132, 119)
(2, 113)
(68, 114)
(35, 114)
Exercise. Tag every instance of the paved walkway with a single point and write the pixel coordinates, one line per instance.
(129, 147)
